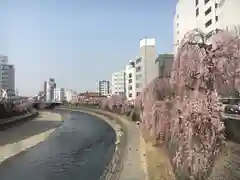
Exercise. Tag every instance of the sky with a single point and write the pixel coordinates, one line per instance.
(79, 42)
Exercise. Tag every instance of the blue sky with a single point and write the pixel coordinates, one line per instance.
(78, 42)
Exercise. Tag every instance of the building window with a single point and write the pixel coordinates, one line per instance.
(208, 23)
(197, 12)
(177, 41)
(216, 5)
(138, 60)
(177, 24)
(138, 93)
(130, 95)
(130, 81)
(177, 32)
(130, 88)
(138, 77)
(138, 69)
(208, 11)
(206, 1)
(197, 2)
(177, 16)
(138, 85)
(216, 18)
(130, 75)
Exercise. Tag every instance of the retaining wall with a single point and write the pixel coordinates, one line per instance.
(127, 162)
(115, 166)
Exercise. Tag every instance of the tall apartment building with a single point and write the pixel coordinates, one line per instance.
(206, 15)
(184, 20)
(119, 83)
(7, 74)
(228, 15)
(103, 88)
(146, 69)
(130, 80)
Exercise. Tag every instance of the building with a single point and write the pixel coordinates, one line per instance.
(130, 81)
(103, 88)
(206, 15)
(118, 83)
(228, 15)
(146, 69)
(51, 85)
(184, 20)
(7, 77)
(139, 79)
(164, 64)
(7, 74)
(45, 89)
(59, 94)
(70, 95)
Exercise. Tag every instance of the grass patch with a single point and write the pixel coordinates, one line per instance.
(158, 163)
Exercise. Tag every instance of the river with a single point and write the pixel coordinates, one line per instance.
(78, 150)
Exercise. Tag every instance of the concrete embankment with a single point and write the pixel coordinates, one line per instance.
(26, 135)
(127, 162)
(9, 122)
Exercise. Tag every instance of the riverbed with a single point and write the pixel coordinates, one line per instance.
(78, 150)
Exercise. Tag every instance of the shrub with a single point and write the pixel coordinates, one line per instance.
(103, 104)
(115, 103)
(158, 90)
(134, 114)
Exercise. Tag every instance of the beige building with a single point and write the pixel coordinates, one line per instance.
(118, 83)
(146, 69)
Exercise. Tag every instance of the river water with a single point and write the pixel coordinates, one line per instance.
(78, 150)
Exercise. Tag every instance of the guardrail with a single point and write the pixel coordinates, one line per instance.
(114, 168)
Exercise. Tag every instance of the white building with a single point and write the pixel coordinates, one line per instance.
(184, 20)
(103, 87)
(70, 95)
(59, 94)
(206, 15)
(118, 83)
(7, 74)
(229, 15)
(130, 80)
(146, 69)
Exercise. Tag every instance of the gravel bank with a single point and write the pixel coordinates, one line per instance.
(20, 138)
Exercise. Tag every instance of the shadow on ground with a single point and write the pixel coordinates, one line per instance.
(26, 130)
